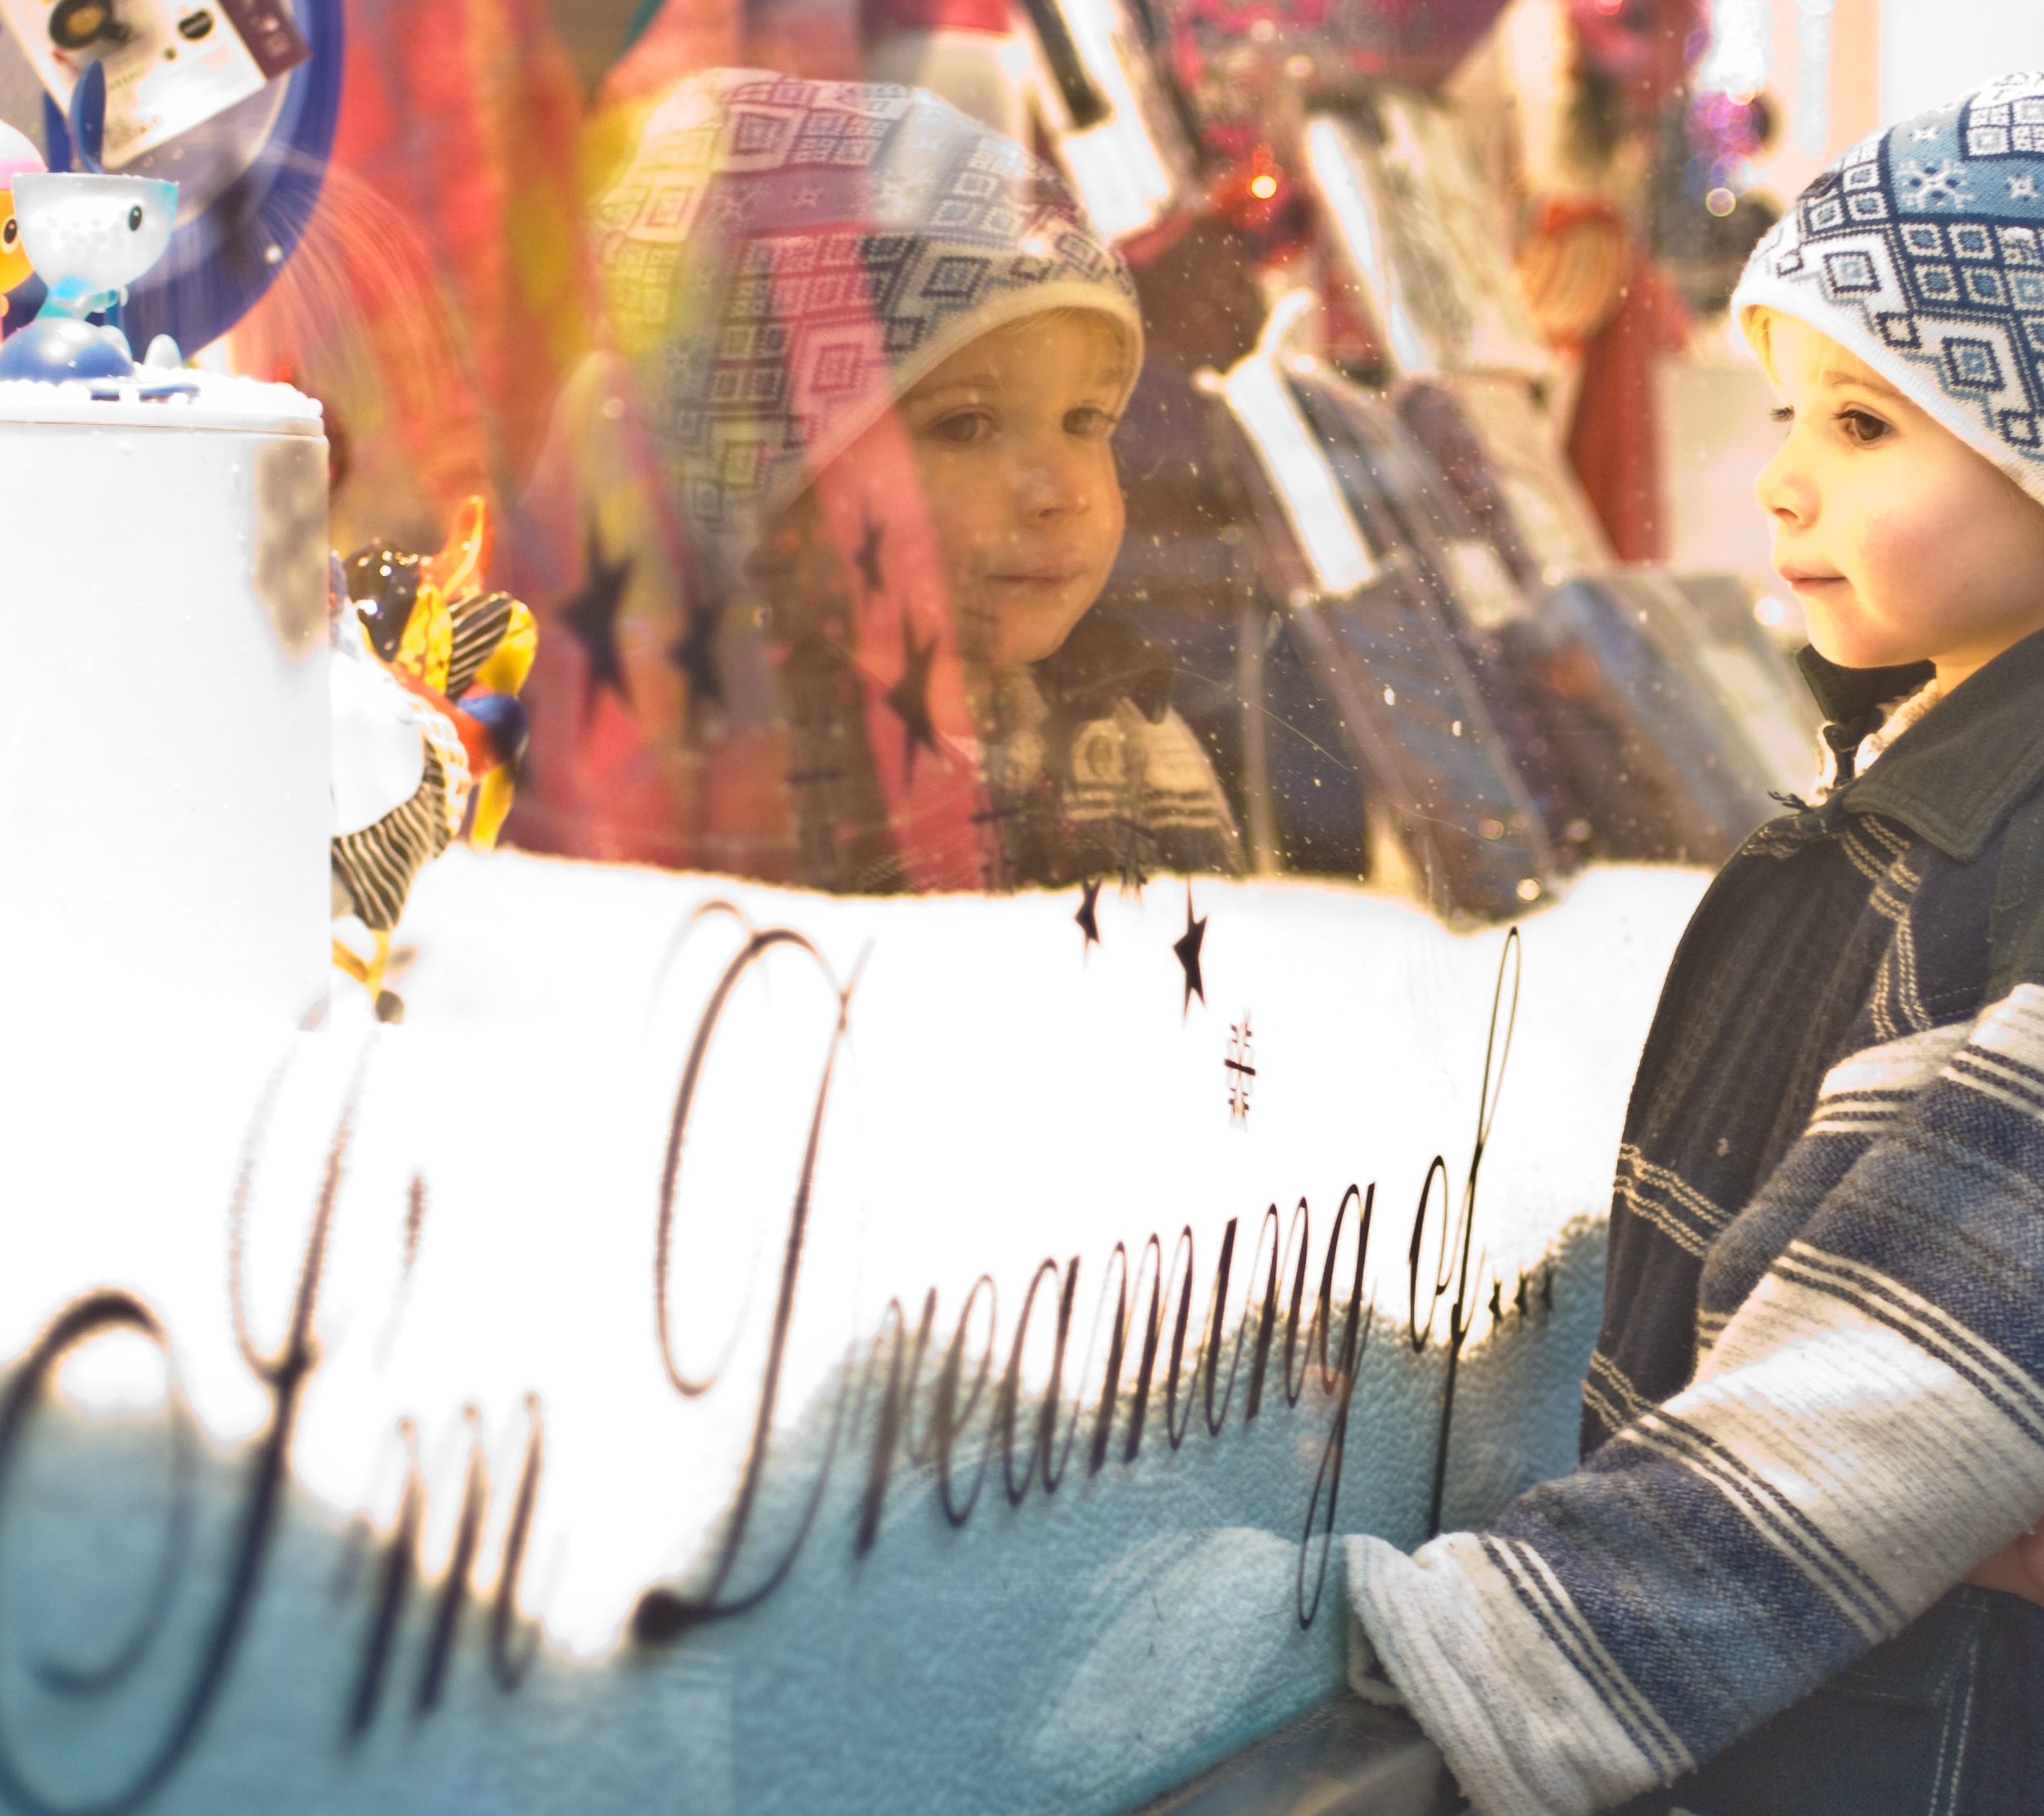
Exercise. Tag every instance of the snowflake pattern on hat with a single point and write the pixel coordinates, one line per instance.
(1922, 250)
(783, 259)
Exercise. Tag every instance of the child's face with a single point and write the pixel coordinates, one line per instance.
(1010, 437)
(1903, 543)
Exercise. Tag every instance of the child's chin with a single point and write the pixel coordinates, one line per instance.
(1857, 647)
(1032, 638)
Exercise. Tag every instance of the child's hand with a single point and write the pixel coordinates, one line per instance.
(2017, 1568)
(1365, 1672)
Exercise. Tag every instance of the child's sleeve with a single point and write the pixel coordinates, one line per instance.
(1867, 1427)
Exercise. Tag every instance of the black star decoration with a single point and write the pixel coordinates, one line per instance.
(1187, 947)
(910, 696)
(1088, 914)
(868, 557)
(695, 654)
(1134, 879)
(591, 618)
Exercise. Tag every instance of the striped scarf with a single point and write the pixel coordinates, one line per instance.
(1818, 1400)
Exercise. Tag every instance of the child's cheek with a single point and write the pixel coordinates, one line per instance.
(948, 509)
(1905, 559)
(1114, 512)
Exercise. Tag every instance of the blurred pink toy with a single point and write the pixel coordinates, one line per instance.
(18, 158)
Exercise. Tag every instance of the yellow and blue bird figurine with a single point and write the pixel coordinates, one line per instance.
(427, 722)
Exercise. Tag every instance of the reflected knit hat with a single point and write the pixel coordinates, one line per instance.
(1921, 250)
(783, 260)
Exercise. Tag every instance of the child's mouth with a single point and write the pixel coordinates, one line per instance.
(1799, 581)
(1040, 579)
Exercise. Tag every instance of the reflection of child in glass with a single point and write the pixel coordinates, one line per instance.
(1800, 1569)
(1087, 767)
(1010, 436)
(865, 265)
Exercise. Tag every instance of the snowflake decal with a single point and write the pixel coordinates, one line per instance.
(1945, 186)
(2022, 189)
(1240, 1065)
(895, 197)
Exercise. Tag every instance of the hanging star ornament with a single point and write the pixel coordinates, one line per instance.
(1187, 947)
(910, 696)
(868, 557)
(1088, 914)
(1135, 837)
(695, 654)
(591, 618)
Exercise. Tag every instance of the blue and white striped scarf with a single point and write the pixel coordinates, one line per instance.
(1864, 1423)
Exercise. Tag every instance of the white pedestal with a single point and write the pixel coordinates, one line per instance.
(164, 766)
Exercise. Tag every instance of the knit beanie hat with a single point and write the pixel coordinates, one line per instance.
(1921, 250)
(783, 260)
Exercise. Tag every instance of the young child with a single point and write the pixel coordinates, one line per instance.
(1791, 1575)
(874, 355)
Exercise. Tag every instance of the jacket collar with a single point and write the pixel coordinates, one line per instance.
(1954, 776)
(1851, 699)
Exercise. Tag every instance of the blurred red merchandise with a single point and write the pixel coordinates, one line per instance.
(877, 18)
(1613, 441)
(464, 114)
(609, 772)
(594, 786)
(682, 37)
(440, 295)
(815, 39)
(1572, 267)
(361, 319)
(1252, 193)
(1645, 46)
(1419, 41)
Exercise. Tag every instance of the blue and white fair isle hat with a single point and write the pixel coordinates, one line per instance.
(1922, 251)
(784, 259)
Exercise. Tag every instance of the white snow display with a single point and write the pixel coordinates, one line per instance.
(1000, 1588)
(163, 791)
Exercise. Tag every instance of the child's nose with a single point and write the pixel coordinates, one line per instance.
(1785, 491)
(1058, 478)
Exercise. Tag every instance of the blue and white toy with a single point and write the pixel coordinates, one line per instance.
(91, 236)
(88, 235)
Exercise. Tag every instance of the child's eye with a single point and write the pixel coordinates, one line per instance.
(1090, 423)
(1783, 414)
(962, 428)
(1862, 426)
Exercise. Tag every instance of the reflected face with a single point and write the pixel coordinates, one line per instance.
(1902, 544)
(1010, 437)
(101, 232)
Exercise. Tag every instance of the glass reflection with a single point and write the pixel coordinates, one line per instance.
(873, 356)
(845, 497)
